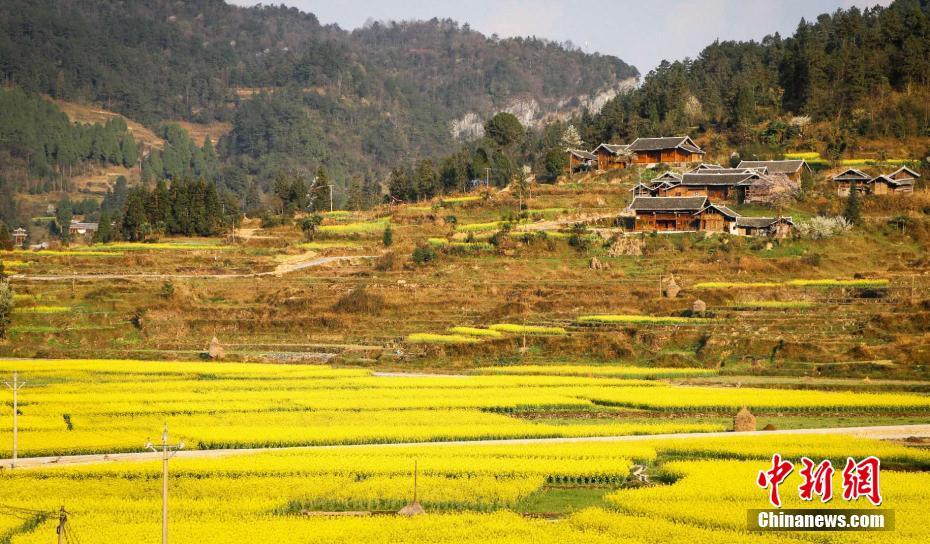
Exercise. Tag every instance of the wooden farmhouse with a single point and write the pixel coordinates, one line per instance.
(612, 156)
(774, 227)
(669, 150)
(667, 213)
(77, 228)
(850, 178)
(793, 169)
(901, 181)
(714, 184)
(580, 160)
(699, 214)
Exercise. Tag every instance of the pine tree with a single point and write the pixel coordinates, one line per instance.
(425, 180)
(129, 150)
(6, 239)
(355, 200)
(852, 212)
(6, 306)
(134, 226)
(321, 190)
(104, 232)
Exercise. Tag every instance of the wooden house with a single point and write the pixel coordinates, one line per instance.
(793, 169)
(668, 176)
(612, 156)
(850, 178)
(886, 185)
(669, 150)
(78, 228)
(579, 160)
(774, 227)
(706, 166)
(716, 218)
(904, 173)
(19, 237)
(717, 186)
(667, 213)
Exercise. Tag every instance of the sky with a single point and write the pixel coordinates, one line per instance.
(641, 32)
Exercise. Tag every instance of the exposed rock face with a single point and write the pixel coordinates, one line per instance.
(626, 246)
(596, 264)
(744, 421)
(670, 288)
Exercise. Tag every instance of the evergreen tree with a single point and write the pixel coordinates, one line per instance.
(400, 186)
(320, 199)
(355, 199)
(504, 129)
(388, 237)
(63, 216)
(104, 234)
(852, 212)
(425, 180)
(134, 224)
(129, 150)
(6, 239)
(6, 305)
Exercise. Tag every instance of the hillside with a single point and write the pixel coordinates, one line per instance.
(366, 98)
(855, 81)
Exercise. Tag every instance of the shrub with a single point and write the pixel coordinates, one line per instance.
(359, 301)
(423, 254)
(6, 306)
(820, 227)
(388, 237)
(578, 238)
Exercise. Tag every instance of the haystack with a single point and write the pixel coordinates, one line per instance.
(412, 509)
(216, 349)
(699, 307)
(744, 421)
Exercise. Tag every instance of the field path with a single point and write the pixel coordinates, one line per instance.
(281, 269)
(881, 432)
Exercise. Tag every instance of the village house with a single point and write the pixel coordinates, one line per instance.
(19, 237)
(793, 169)
(851, 178)
(717, 218)
(773, 227)
(668, 150)
(78, 228)
(667, 213)
(612, 156)
(901, 181)
(715, 184)
(579, 160)
(699, 214)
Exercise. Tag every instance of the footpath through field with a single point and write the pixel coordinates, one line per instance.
(886, 432)
(281, 269)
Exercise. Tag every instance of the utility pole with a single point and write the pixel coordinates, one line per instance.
(15, 387)
(168, 451)
(62, 519)
(330, 197)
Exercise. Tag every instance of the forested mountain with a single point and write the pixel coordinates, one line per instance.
(863, 73)
(298, 94)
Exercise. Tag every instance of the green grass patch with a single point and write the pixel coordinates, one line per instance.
(528, 329)
(563, 500)
(654, 320)
(475, 331)
(430, 338)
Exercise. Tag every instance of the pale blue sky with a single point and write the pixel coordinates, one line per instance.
(640, 32)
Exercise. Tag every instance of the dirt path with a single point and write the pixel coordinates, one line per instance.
(281, 269)
(881, 432)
